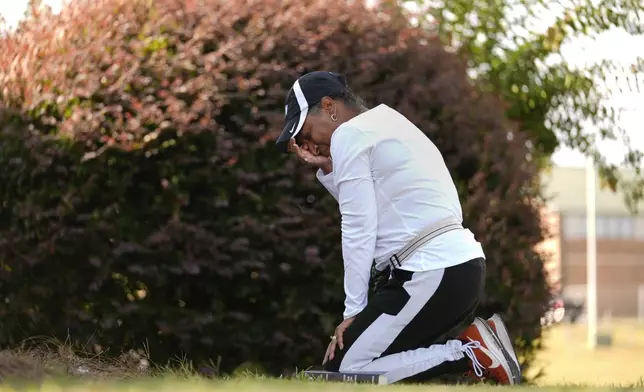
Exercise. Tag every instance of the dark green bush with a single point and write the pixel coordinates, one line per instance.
(143, 202)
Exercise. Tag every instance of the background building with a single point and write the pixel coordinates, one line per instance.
(620, 244)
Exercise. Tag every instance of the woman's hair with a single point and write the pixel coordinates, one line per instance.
(348, 98)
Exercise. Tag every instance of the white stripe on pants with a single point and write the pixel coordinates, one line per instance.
(383, 331)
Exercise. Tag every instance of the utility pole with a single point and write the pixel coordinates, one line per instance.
(591, 254)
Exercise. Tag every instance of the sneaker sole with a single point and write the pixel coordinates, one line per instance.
(504, 336)
(515, 371)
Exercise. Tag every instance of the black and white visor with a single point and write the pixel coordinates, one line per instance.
(307, 91)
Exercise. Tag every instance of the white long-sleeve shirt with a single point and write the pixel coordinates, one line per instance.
(391, 182)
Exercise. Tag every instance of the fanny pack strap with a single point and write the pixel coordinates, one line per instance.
(428, 234)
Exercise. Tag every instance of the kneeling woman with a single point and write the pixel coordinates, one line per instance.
(399, 207)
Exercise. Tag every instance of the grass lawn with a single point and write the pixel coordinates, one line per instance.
(567, 363)
(262, 386)
(566, 358)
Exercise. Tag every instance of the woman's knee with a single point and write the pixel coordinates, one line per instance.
(352, 367)
(340, 364)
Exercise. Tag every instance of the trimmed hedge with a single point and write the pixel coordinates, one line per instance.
(143, 203)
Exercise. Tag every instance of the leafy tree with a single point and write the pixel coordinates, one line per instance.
(554, 102)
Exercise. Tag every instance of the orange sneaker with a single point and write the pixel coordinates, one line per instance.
(499, 328)
(487, 356)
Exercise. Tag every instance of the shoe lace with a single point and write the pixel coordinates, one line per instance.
(468, 349)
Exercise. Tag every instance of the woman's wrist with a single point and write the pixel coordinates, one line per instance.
(326, 168)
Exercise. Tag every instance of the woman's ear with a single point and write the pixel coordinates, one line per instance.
(328, 105)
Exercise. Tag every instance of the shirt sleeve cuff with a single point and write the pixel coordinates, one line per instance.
(324, 177)
(353, 309)
(348, 313)
(327, 181)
